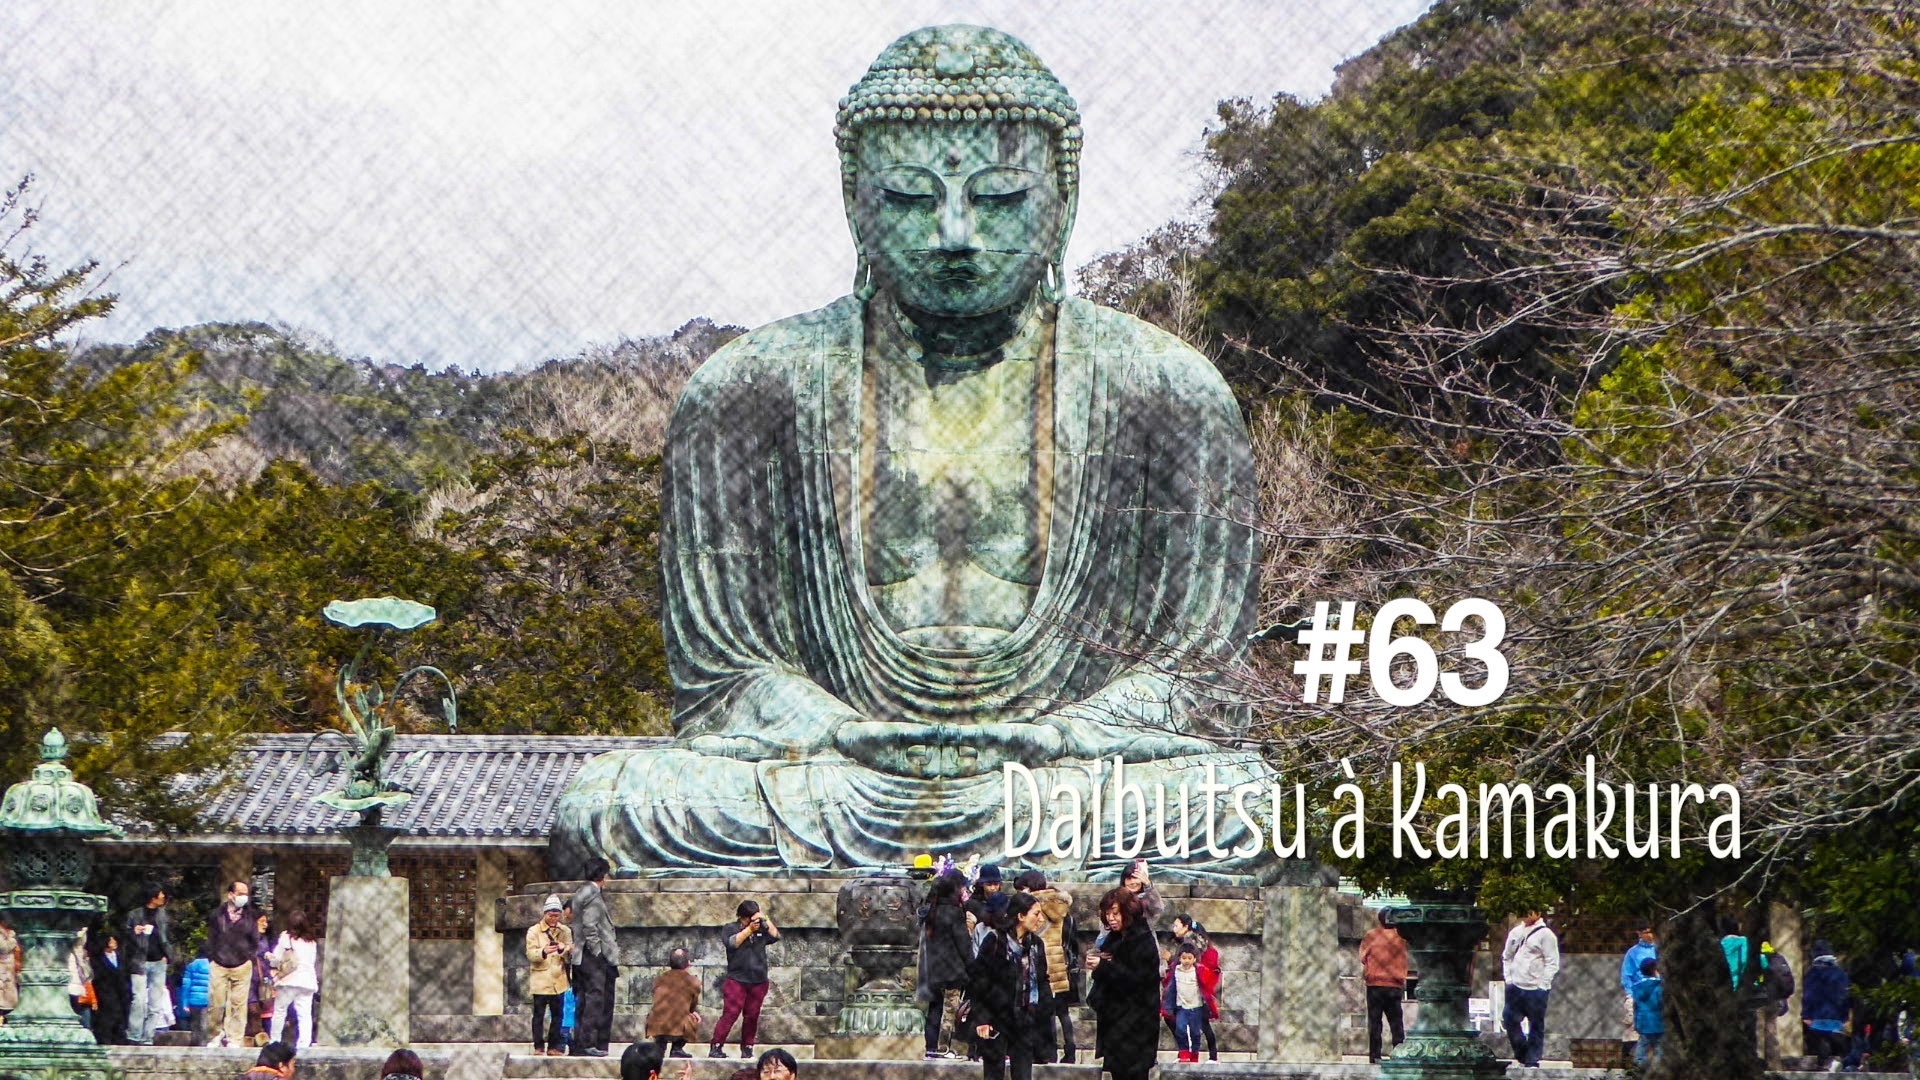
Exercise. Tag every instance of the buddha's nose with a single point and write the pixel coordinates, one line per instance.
(956, 223)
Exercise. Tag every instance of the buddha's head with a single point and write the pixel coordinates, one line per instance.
(959, 156)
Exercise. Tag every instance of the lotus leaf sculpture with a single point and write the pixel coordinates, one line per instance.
(369, 714)
(387, 611)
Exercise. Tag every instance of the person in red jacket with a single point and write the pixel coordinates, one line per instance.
(1383, 967)
(1188, 931)
(1187, 996)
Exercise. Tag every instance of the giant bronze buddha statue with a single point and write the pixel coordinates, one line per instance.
(951, 521)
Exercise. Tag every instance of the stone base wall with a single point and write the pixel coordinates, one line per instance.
(808, 966)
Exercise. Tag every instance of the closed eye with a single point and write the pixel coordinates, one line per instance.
(907, 198)
(1005, 198)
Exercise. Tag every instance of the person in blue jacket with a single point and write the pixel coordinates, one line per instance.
(1824, 990)
(195, 980)
(1638, 953)
(1648, 1017)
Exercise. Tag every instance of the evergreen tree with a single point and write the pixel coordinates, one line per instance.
(89, 486)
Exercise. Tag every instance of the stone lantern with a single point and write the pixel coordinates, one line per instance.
(45, 823)
(1441, 936)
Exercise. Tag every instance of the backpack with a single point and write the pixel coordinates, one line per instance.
(1779, 982)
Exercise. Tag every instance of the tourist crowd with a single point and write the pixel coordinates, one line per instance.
(1001, 966)
(246, 986)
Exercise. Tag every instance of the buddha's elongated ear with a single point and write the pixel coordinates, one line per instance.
(1054, 287)
(863, 283)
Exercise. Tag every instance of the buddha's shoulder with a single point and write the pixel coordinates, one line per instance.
(1152, 355)
(767, 353)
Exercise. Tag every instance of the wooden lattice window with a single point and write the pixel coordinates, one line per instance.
(309, 889)
(441, 894)
(441, 891)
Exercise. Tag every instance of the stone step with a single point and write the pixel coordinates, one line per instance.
(506, 1062)
(532, 1068)
(779, 1029)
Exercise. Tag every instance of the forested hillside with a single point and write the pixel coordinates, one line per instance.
(352, 420)
(174, 514)
(1609, 313)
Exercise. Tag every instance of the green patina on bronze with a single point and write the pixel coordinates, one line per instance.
(1441, 936)
(951, 521)
(368, 711)
(44, 825)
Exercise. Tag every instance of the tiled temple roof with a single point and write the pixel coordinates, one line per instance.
(489, 789)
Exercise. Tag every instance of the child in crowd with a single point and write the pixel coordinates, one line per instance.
(1647, 1017)
(1186, 997)
(195, 980)
(675, 1016)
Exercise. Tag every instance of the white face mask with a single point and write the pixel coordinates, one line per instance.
(241, 900)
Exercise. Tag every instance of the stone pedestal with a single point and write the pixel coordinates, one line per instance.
(810, 972)
(1300, 960)
(365, 975)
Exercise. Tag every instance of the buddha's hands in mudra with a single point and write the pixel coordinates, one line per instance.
(951, 750)
(900, 749)
(1130, 719)
(946, 750)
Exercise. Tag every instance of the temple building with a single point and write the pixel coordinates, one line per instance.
(475, 832)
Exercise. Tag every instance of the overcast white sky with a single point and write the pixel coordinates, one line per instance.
(492, 184)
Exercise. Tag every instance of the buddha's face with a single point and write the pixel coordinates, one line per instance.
(958, 220)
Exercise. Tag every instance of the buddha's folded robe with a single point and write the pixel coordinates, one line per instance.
(810, 732)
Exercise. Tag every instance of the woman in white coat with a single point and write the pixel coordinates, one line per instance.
(296, 978)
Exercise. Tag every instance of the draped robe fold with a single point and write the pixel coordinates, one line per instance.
(1147, 594)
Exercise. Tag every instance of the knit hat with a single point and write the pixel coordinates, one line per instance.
(990, 874)
(553, 903)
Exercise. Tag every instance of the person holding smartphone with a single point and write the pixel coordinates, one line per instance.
(1139, 882)
(549, 949)
(1126, 988)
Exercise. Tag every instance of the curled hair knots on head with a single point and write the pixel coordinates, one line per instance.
(960, 74)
